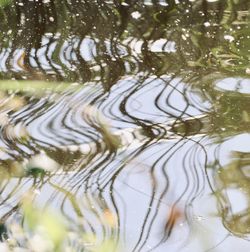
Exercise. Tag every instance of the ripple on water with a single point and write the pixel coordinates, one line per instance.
(140, 139)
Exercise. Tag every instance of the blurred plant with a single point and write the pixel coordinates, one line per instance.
(36, 87)
(3, 3)
(45, 231)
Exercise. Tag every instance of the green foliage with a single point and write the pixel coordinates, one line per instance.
(3, 3)
(37, 87)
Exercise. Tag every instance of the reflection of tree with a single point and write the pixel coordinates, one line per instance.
(230, 118)
(38, 28)
(234, 177)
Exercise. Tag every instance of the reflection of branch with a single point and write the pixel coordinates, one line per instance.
(233, 177)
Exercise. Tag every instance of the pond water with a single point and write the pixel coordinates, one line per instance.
(129, 118)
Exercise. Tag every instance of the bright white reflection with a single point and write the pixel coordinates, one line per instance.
(239, 85)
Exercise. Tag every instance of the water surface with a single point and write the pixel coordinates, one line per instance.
(130, 118)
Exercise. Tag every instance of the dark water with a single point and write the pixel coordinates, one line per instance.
(130, 118)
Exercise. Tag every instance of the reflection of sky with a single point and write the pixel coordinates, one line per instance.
(239, 143)
(48, 126)
(183, 162)
(234, 84)
(133, 191)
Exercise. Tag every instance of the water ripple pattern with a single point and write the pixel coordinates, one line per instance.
(132, 141)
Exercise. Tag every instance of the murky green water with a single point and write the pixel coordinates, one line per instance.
(130, 118)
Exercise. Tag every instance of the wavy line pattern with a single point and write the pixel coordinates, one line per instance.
(135, 138)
